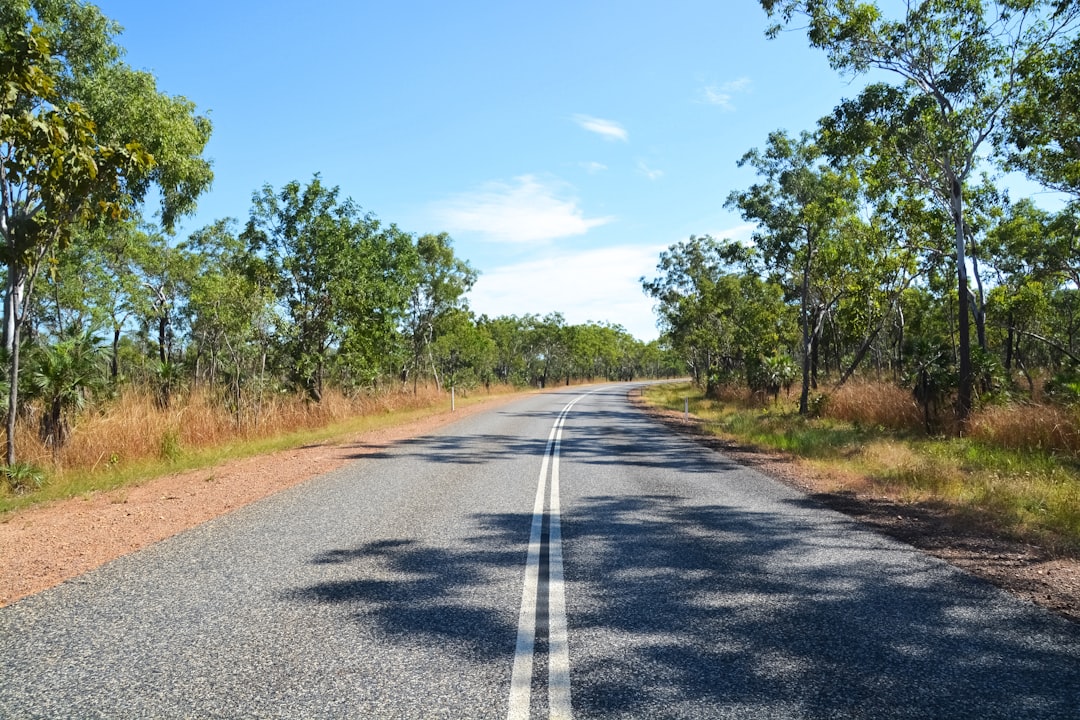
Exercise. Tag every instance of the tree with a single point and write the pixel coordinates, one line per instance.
(337, 276)
(67, 156)
(712, 314)
(959, 64)
(802, 207)
(439, 286)
(229, 305)
(63, 375)
(307, 239)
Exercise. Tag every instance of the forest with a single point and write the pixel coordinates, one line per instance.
(123, 340)
(889, 243)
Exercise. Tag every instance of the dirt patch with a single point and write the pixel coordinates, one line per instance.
(43, 546)
(1027, 571)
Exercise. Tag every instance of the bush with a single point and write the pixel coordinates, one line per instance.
(24, 477)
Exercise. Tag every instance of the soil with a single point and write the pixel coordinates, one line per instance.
(45, 545)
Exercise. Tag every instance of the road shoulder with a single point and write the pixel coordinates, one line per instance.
(1027, 571)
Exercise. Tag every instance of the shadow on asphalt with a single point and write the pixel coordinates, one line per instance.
(706, 610)
(684, 609)
(594, 437)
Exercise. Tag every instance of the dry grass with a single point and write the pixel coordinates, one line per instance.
(131, 437)
(1028, 427)
(874, 404)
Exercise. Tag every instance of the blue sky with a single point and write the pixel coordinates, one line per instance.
(563, 145)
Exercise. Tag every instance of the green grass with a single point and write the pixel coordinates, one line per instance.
(1031, 494)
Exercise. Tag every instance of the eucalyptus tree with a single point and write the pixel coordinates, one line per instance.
(959, 64)
(547, 347)
(690, 309)
(382, 272)
(439, 284)
(507, 332)
(82, 137)
(462, 351)
(714, 310)
(805, 211)
(306, 239)
(230, 314)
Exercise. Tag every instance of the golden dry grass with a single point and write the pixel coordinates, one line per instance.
(874, 404)
(1028, 427)
(133, 428)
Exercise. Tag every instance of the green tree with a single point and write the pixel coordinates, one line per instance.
(959, 66)
(230, 307)
(439, 286)
(1043, 126)
(805, 209)
(713, 314)
(63, 375)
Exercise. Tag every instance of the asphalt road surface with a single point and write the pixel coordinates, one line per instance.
(563, 555)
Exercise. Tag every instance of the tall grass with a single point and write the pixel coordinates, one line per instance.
(1029, 427)
(874, 404)
(132, 436)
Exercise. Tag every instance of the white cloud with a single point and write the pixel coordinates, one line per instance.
(723, 95)
(600, 285)
(525, 210)
(593, 167)
(742, 234)
(608, 129)
(648, 171)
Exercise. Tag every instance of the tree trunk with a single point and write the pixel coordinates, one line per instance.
(804, 395)
(966, 389)
(13, 393)
(114, 363)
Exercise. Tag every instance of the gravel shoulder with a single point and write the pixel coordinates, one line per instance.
(43, 546)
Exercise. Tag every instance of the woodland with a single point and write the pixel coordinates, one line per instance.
(889, 247)
(308, 309)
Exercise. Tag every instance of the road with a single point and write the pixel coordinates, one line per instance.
(563, 555)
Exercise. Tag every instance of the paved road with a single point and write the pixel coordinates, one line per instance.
(436, 579)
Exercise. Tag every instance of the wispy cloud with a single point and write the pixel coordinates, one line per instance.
(649, 172)
(723, 95)
(524, 210)
(593, 167)
(601, 285)
(609, 129)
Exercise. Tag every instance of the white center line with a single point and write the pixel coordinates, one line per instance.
(558, 647)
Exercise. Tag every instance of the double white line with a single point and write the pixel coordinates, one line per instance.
(543, 598)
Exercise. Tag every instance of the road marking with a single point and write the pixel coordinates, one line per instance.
(543, 598)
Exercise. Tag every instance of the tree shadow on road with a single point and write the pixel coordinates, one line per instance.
(688, 610)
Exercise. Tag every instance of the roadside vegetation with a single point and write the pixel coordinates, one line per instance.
(129, 349)
(900, 316)
(867, 438)
(132, 439)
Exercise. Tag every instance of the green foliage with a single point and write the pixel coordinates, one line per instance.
(83, 139)
(63, 376)
(24, 477)
(1064, 386)
(766, 376)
